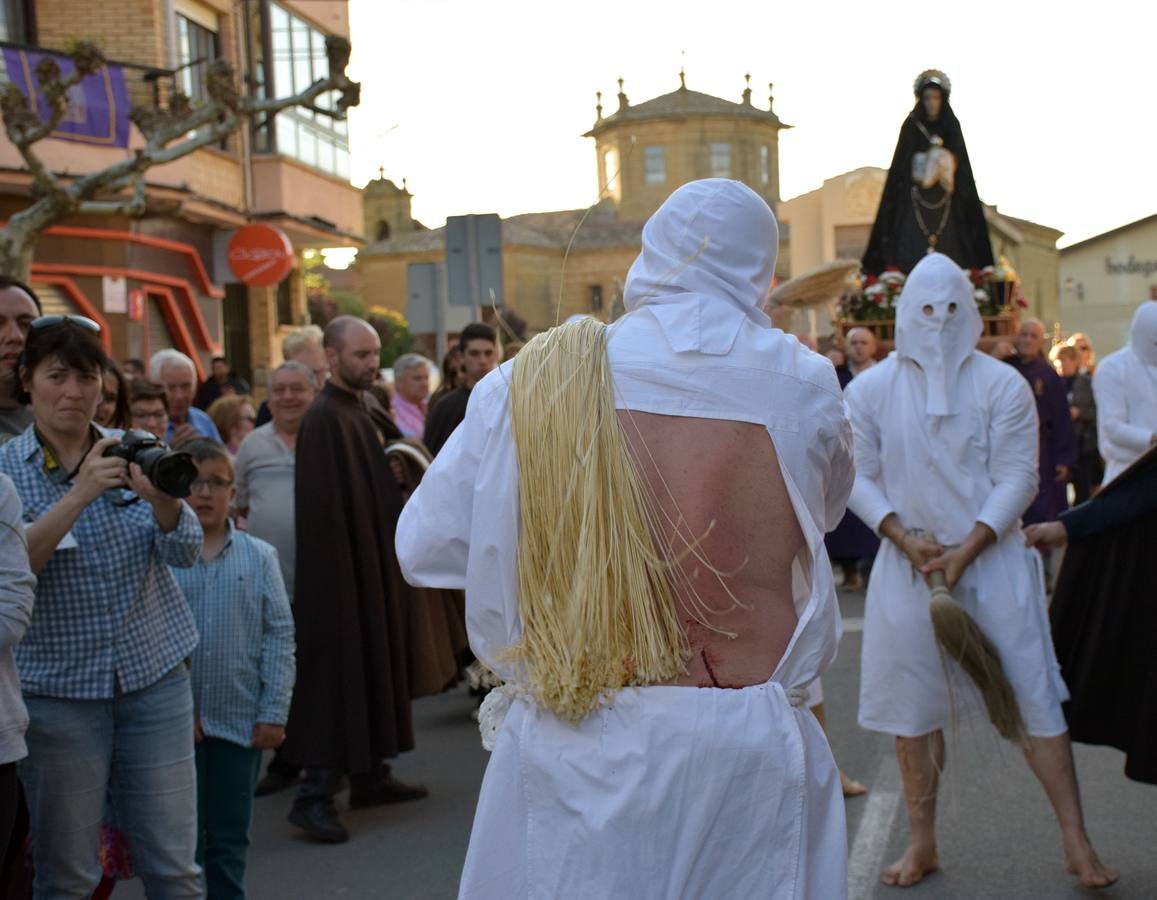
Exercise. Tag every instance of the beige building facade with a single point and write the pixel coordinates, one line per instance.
(1105, 278)
(558, 264)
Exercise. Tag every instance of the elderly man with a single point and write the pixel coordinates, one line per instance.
(351, 706)
(177, 374)
(19, 306)
(411, 394)
(1125, 387)
(613, 774)
(265, 465)
(945, 442)
(1057, 455)
(265, 498)
(303, 346)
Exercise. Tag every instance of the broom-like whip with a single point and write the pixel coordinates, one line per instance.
(961, 639)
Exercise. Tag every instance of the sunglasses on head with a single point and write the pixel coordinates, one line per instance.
(82, 321)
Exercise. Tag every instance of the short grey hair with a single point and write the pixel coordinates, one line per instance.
(169, 357)
(403, 364)
(292, 365)
(309, 335)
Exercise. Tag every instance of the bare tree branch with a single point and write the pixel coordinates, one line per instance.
(136, 205)
(170, 133)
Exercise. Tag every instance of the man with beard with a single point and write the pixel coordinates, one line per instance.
(18, 307)
(480, 355)
(351, 706)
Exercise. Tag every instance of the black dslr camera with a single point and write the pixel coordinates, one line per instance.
(171, 471)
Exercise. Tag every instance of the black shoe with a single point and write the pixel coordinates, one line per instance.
(273, 783)
(389, 790)
(318, 819)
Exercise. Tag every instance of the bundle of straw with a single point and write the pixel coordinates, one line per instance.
(595, 595)
(962, 640)
(817, 288)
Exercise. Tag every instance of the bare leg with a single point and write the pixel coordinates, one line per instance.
(921, 759)
(1051, 760)
(850, 786)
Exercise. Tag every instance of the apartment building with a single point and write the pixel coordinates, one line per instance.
(165, 279)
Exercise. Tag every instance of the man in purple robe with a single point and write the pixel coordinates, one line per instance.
(1058, 440)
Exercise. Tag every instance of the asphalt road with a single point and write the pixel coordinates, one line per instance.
(997, 835)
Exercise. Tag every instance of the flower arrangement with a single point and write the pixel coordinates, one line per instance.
(996, 290)
(871, 298)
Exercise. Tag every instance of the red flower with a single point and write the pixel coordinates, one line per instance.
(870, 280)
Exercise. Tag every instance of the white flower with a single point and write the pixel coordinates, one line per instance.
(892, 278)
(875, 290)
(980, 295)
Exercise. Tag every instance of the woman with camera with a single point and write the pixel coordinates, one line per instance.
(103, 662)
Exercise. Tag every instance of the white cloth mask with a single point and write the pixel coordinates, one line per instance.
(937, 327)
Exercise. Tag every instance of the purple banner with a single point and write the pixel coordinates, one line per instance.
(98, 110)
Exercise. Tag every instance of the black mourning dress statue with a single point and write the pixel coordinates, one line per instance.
(930, 200)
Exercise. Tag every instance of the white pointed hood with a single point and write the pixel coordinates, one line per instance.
(940, 341)
(706, 266)
(1143, 333)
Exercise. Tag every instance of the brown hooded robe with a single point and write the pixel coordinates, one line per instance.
(351, 703)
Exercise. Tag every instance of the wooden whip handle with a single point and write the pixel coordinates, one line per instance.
(939, 586)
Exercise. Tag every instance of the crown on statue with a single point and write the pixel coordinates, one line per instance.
(932, 77)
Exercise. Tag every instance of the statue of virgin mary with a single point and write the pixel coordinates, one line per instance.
(930, 201)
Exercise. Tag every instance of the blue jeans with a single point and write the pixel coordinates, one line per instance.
(226, 776)
(135, 748)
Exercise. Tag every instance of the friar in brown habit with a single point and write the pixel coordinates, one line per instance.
(351, 703)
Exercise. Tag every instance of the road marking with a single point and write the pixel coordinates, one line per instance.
(874, 831)
(853, 624)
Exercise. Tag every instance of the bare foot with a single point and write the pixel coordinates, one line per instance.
(912, 867)
(1081, 860)
(852, 788)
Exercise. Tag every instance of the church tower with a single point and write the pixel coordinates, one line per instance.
(645, 152)
(386, 209)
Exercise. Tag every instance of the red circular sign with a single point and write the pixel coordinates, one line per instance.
(260, 255)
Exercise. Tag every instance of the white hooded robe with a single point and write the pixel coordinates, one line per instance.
(1125, 388)
(664, 791)
(945, 437)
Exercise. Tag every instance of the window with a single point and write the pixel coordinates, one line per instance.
(654, 165)
(16, 21)
(299, 59)
(596, 298)
(197, 46)
(764, 166)
(284, 302)
(612, 182)
(720, 160)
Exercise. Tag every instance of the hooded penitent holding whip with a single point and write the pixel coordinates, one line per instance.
(945, 446)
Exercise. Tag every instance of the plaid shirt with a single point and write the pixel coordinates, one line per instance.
(108, 612)
(243, 669)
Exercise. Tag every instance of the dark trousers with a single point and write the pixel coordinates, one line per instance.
(226, 776)
(279, 765)
(9, 800)
(319, 783)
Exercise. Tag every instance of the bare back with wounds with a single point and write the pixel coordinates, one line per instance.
(720, 481)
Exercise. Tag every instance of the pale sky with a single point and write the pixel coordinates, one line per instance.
(481, 105)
